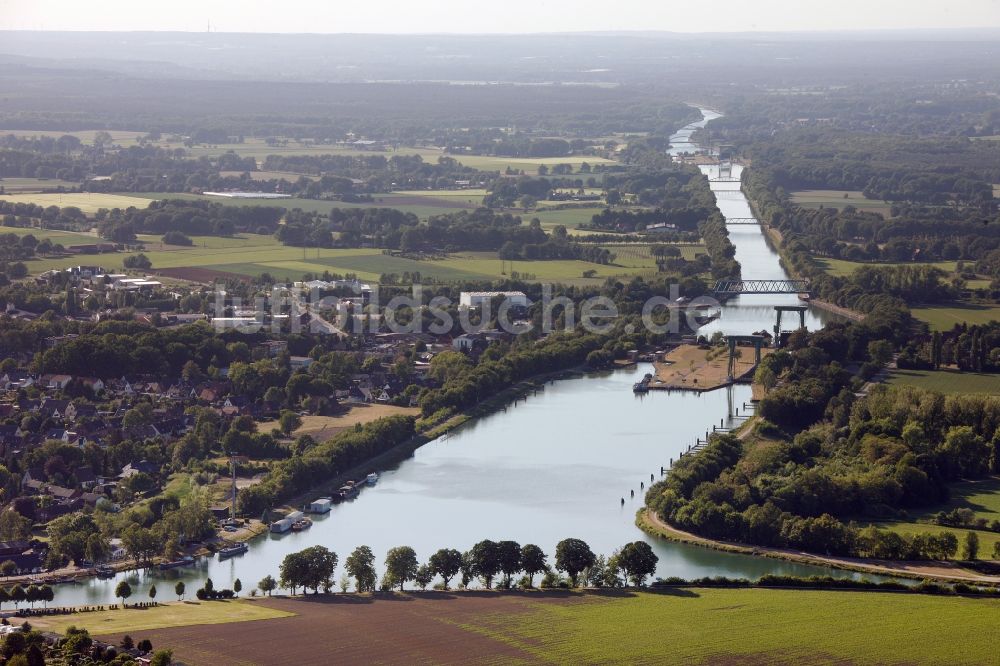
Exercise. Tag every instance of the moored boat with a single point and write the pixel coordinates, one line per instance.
(235, 549)
(371, 479)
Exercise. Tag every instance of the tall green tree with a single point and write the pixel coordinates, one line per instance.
(486, 561)
(360, 566)
(970, 547)
(533, 561)
(123, 591)
(573, 556)
(639, 561)
(509, 558)
(401, 565)
(446, 563)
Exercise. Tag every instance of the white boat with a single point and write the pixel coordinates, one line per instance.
(371, 479)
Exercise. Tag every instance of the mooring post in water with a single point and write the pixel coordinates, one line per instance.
(633, 493)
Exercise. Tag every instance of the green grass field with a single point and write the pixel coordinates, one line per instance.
(944, 318)
(268, 175)
(844, 268)
(172, 614)
(56, 236)
(836, 199)
(123, 137)
(88, 202)
(754, 627)
(422, 206)
(251, 255)
(948, 381)
(571, 218)
(23, 185)
(987, 540)
(981, 496)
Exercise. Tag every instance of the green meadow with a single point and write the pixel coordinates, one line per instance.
(839, 199)
(945, 317)
(948, 381)
(23, 185)
(844, 268)
(758, 626)
(987, 540)
(251, 255)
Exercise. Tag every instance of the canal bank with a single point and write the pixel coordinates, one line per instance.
(652, 524)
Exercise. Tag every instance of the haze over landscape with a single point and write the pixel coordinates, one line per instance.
(513, 16)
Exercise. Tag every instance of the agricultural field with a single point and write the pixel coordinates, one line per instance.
(250, 255)
(25, 185)
(987, 540)
(268, 175)
(681, 626)
(944, 318)
(948, 381)
(259, 149)
(844, 268)
(56, 236)
(982, 496)
(837, 199)
(122, 137)
(420, 205)
(88, 202)
(322, 428)
(571, 218)
(172, 614)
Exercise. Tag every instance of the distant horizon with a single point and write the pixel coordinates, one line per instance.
(514, 17)
(610, 33)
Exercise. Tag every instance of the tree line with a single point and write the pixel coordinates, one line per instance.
(488, 562)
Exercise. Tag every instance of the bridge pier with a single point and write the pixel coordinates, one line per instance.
(801, 309)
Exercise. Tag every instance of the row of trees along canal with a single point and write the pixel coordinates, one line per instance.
(314, 567)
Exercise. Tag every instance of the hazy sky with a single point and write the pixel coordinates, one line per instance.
(409, 16)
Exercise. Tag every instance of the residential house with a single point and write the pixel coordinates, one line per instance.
(55, 382)
(77, 411)
(54, 408)
(143, 466)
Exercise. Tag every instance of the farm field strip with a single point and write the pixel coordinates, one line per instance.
(677, 626)
(982, 496)
(987, 540)
(845, 268)
(88, 202)
(943, 318)
(948, 381)
(24, 185)
(836, 199)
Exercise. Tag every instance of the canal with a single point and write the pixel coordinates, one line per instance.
(551, 466)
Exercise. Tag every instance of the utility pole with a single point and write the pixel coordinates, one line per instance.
(232, 471)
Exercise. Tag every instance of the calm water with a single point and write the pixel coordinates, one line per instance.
(553, 466)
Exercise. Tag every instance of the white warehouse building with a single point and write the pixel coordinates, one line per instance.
(473, 299)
